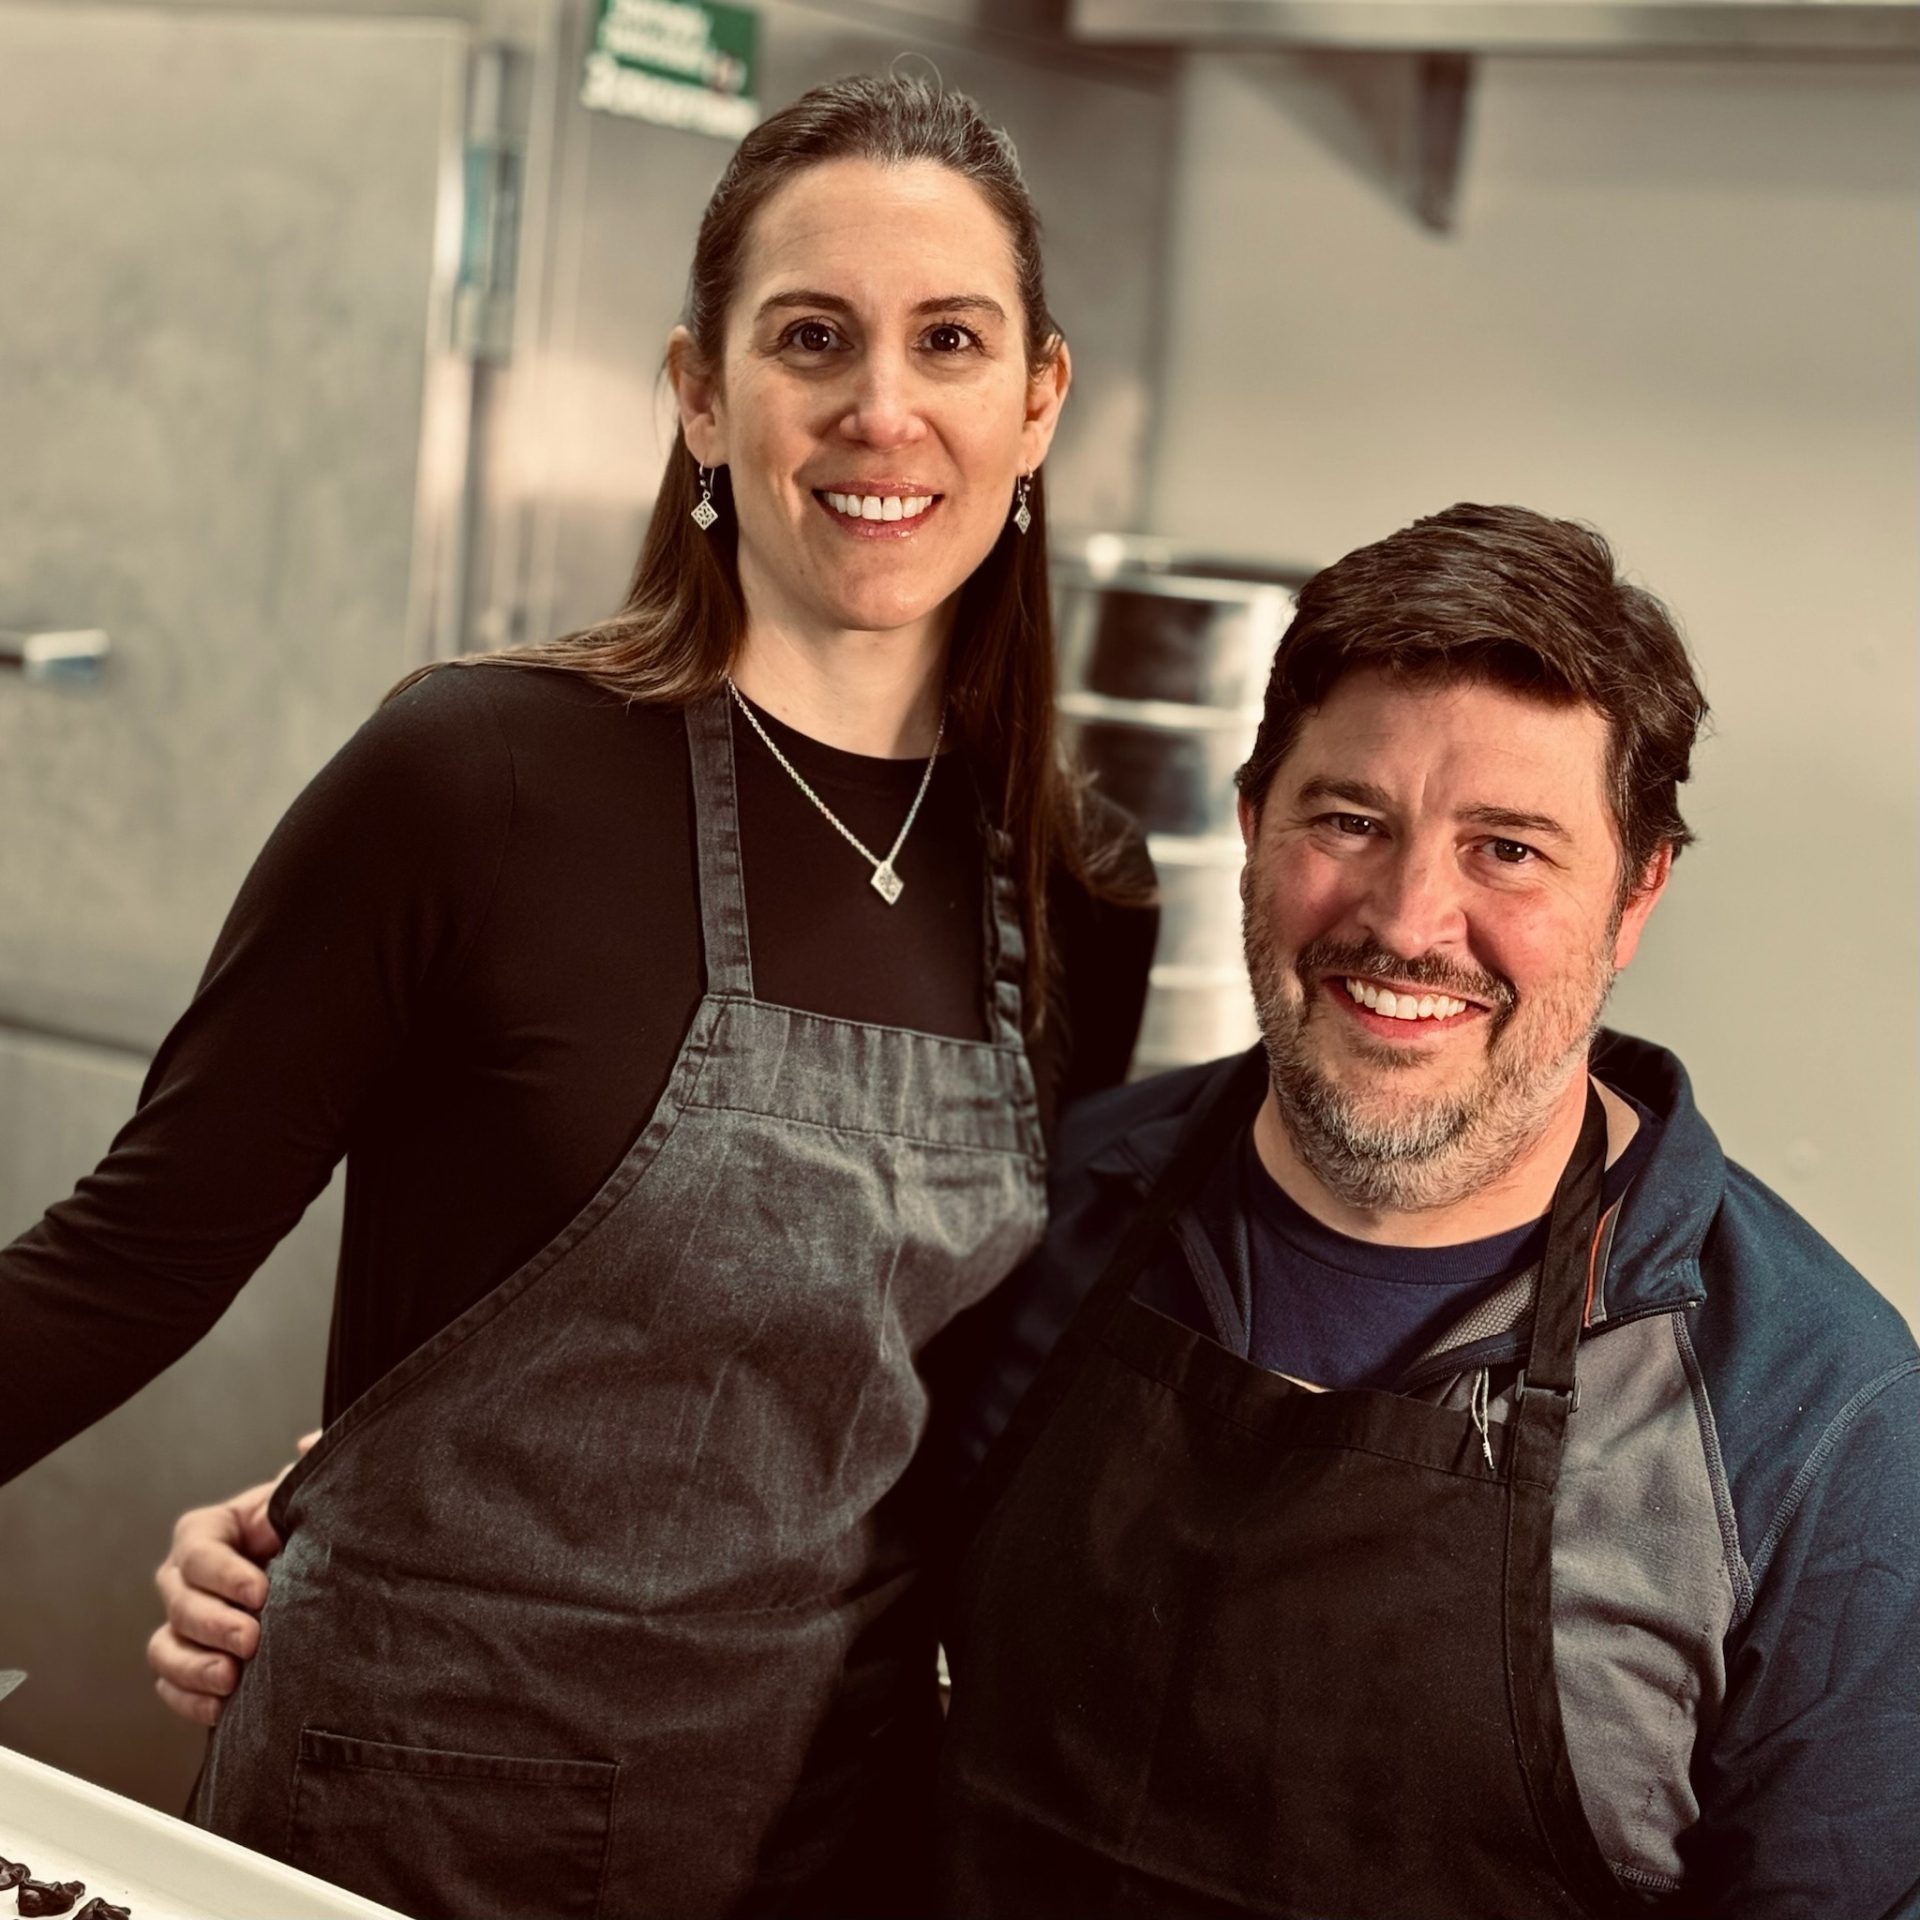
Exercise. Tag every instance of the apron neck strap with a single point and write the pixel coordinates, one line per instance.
(716, 818)
(1006, 938)
(1208, 1135)
(1560, 1298)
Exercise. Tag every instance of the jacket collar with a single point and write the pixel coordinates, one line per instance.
(1653, 1259)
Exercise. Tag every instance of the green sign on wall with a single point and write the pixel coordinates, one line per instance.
(679, 63)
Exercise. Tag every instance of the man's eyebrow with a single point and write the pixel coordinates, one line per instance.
(1356, 793)
(1364, 793)
(1541, 825)
(979, 303)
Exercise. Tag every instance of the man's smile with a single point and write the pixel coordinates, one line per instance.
(1398, 1011)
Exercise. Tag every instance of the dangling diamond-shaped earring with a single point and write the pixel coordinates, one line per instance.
(705, 513)
(1022, 516)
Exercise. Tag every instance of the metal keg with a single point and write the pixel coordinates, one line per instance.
(1162, 666)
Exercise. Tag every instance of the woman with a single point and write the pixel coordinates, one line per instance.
(689, 1016)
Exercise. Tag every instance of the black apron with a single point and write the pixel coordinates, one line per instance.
(1226, 1646)
(604, 1601)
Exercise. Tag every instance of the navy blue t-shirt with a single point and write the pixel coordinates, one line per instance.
(1340, 1312)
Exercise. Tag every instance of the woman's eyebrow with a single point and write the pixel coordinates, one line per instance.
(980, 303)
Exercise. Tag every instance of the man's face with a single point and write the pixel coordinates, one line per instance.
(1432, 927)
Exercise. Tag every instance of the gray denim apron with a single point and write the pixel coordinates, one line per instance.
(596, 1603)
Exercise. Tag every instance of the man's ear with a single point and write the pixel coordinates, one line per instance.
(1640, 904)
(696, 393)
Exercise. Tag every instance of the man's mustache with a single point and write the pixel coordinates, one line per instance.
(1364, 958)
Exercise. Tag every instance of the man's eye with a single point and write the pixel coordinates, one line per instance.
(1510, 853)
(949, 337)
(1357, 824)
(810, 336)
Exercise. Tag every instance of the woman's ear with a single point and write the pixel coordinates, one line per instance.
(1046, 392)
(696, 392)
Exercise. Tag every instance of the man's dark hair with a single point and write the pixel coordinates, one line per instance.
(1502, 595)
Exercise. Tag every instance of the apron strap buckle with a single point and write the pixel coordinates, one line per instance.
(1523, 1386)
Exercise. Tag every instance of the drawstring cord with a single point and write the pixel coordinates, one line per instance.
(1477, 1407)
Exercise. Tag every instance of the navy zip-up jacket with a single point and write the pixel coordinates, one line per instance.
(1737, 1529)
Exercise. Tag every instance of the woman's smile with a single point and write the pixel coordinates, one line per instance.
(879, 511)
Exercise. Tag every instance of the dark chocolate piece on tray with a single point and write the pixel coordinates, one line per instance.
(49, 1896)
(12, 1872)
(98, 1909)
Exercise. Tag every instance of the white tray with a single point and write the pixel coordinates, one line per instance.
(163, 1869)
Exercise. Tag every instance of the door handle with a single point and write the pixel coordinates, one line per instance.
(69, 659)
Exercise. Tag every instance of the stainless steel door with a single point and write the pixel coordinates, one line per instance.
(217, 254)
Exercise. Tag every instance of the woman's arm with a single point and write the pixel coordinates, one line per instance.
(361, 898)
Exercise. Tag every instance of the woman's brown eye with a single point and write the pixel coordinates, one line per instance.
(813, 335)
(948, 339)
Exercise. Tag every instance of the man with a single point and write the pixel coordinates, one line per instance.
(1458, 1490)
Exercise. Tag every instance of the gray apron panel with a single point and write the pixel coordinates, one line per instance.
(591, 1589)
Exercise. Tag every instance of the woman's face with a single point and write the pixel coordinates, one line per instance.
(874, 406)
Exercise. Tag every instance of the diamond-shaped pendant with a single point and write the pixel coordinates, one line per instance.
(705, 514)
(886, 883)
(1021, 517)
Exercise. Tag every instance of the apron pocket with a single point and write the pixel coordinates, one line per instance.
(465, 1835)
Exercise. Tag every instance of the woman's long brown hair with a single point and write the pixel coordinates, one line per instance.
(678, 633)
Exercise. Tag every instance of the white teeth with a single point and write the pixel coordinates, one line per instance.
(880, 506)
(1404, 1006)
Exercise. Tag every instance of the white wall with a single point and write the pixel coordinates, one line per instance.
(1682, 300)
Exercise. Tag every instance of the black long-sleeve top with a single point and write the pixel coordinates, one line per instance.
(466, 960)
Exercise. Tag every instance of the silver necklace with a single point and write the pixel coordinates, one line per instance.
(886, 883)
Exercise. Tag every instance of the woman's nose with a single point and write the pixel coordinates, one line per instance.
(883, 409)
(1414, 904)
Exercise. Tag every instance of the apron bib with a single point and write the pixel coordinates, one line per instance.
(597, 1604)
(1226, 1646)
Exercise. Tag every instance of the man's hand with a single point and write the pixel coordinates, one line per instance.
(213, 1587)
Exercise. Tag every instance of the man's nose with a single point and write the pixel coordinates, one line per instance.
(1415, 902)
(883, 409)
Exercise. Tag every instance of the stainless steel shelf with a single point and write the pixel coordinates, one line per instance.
(1509, 26)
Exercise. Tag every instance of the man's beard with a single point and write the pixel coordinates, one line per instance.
(1381, 1151)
